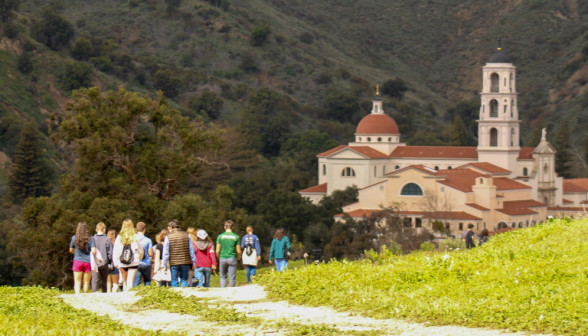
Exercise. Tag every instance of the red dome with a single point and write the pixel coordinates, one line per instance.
(377, 124)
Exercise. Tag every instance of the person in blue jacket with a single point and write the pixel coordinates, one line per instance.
(251, 252)
(280, 250)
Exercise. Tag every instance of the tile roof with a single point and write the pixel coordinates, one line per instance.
(435, 152)
(477, 206)
(460, 179)
(583, 202)
(575, 185)
(363, 150)
(453, 215)
(575, 209)
(517, 208)
(371, 185)
(422, 168)
(526, 153)
(331, 151)
(485, 166)
(359, 213)
(504, 183)
(321, 188)
(568, 201)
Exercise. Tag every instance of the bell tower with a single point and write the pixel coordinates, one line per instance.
(499, 124)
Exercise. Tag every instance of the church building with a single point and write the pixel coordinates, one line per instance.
(494, 185)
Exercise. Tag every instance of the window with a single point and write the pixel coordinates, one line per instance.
(493, 108)
(384, 170)
(521, 225)
(494, 82)
(505, 108)
(481, 181)
(390, 139)
(407, 222)
(484, 225)
(512, 108)
(511, 82)
(324, 169)
(447, 226)
(411, 189)
(442, 189)
(483, 109)
(512, 136)
(449, 168)
(369, 139)
(493, 137)
(505, 82)
(348, 172)
(375, 171)
(360, 139)
(376, 108)
(397, 167)
(436, 167)
(379, 139)
(460, 226)
(525, 172)
(418, 222)
(514, 225)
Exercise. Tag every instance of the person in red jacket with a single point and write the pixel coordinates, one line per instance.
(205, 258)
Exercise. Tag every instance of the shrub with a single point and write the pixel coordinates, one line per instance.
(451, 244)
(186, 60)
(306, 38)
(25, 63)
(53, 30)
(11, 30)
(167, 82)
(82, 49)
(248, 64)
(207, 13)
(260, 34)
(77, 75)
(133, 3)
(224, 29)
(101, 63)
(394, 87)
(324, 77)
(28, 45)
(207, 103)
(234, 73)
(427, 246)
(280, 39)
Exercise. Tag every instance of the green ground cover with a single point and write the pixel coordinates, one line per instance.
(38, 311)
(242, 275)
(526, 280)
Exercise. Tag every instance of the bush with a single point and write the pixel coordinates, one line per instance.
(53, 30)
(167, 82)
(451, 244)
(28, 45)
(248, 64)
(234, 73)
(207, 103)
(260, 34)
(101, 63)
(77, 75)
(82, 49)
(25, 63)
(11, 30)
(306, 38)
(394, 87)
(427, 246)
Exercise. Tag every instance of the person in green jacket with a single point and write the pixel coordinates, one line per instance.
(280, 245)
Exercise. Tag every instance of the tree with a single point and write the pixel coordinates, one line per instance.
(7, 9)
(134, 155)
(11, 30)
(341, 106)
(82, 49)
(468, 111)
(77, 75)
(303, 148)
(168, 83)
(459, 133)
(438, 206)
(425, 138)
(535, 138)
(563, 147)
(29, 175)
(259, 34)
(25, 63)
(53, 30)
(394, 87)
(248, 63)
(208, 103)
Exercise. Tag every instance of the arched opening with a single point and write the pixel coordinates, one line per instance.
(324, 169)
(514, 225)
(348, 172)
(379, 139)
(494, 82)
(501, 225)
(533, 223)
(520, 225)
(512, 108)
(449, 168)
(546, 200)
(525, 171)
(411, 189)
(397, 167)
(493, 137)
(376, 108)
(511, 83)
(390, 139)
(436, 167)
(512, 136)
(369, 139)
(384, 170)
(527, 223)
(360, 139)
(493, 108)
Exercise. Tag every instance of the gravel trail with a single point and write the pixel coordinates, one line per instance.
(252, 300)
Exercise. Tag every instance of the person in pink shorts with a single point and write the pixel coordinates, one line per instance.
(80, 248)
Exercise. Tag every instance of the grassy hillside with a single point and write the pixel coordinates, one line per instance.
(525, 280)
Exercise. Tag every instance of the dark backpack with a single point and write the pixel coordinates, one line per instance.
(127, 255)
(248, 248)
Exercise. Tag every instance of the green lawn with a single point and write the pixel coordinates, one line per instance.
(242, 276)
(532, 280)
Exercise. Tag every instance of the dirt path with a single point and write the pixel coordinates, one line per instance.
(252, 301)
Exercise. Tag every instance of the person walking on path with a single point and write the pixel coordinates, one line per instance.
(469, 237)
(280, 250)
(102, 244)
(128, 252)
(144, 270)
(251, 252)
(80, 247)
(205, 258)
(484, 236)
(191, 279)
(112, 285)
(161, 271)
(228, 252)
(179, 251)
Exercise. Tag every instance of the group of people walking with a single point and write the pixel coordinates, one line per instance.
(114, 262)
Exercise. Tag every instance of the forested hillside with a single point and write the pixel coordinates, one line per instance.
(277, 82)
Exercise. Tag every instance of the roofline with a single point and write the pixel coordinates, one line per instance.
(477, 208)
(312, 192)
(372, 185)
(348, 205)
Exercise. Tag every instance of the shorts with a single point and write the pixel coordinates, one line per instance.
(80, 266)
(114, 271)
(130, 268)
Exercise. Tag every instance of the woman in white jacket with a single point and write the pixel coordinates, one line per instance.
(127, 236)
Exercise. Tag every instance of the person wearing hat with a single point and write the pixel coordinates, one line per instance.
(205, 258)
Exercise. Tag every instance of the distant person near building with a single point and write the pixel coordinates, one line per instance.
(280, 250)
(112, 286)
(484, 236)
(79, 246)
(179, 251)
(251, 252)
(469, 237)
(205, 258)
(101, 244)
(144, 270)
(228, 251)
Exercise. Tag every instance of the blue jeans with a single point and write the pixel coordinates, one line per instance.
(145, 272)
(281, 264)
(250, 272)
(182, 272)
(202, 274)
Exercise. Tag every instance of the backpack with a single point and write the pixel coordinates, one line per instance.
(127, 255)
(483, 239)
(248, 248)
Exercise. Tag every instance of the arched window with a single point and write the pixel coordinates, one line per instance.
(546, 200)
(449, 168)
(376, 108)
(525, 171)
(512, 136)
(324, 169)
(493, 108)
(375, 171)
(348, 172)
(390, 139)
(379, 139)
(511, 83)
(514, 225)
(494, 82)
(521, 225)
(505, 108)
(512, 108)
(384, 170)
(369, 139)
(360, 139)
(411, 189)
(436, 167)
(493, 137)
(397, 167)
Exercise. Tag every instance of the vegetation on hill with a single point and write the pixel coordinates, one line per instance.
(524, 280)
